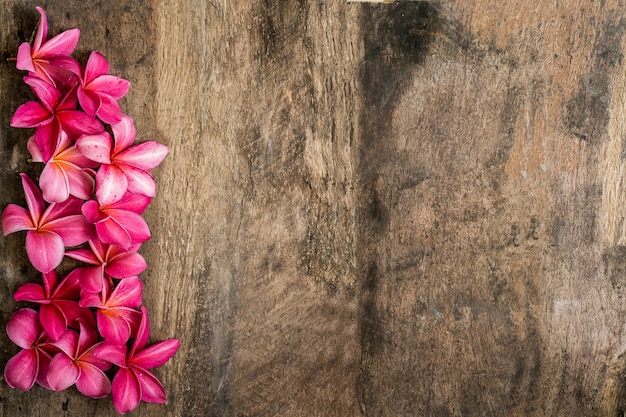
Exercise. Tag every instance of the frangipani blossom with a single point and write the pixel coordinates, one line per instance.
(30, 364)
(77, 364)
(58, 302)
(117, 314)
(124, 167)
(133, 382)
(60, 344)
(49, 230)
(111, 260)
(52, 114)
(119, 223)
(98, 91)
(50, 59)
(66, 172)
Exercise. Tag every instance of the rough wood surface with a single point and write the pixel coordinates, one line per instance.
(408, 209)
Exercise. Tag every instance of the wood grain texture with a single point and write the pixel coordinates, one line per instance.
(407, 209)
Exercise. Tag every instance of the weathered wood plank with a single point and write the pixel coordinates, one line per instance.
(369, 209)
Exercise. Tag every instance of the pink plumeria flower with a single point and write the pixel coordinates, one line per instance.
(133, 382)
(49, 230)
(30, 364)
(50, 59)
(66, 173)
(77, 364)
(53, 113)
(98, 91)
(119, 223)
(117, 314)
(124, 167)
(108, 260)
(58, 300)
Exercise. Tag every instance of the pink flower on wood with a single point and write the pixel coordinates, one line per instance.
(49, 230)
(77, 364)
(49, 59)
(119, 223)
(53, 113)
(133, 382)
(58, 302)
(111, 260)
(66, 172)
(30, 364)
(98, 91)
(117, 314)
(124, 167)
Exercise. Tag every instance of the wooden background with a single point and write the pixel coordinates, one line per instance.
(410, 209)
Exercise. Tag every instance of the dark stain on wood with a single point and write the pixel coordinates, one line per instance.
(587, 114)
(396, 38)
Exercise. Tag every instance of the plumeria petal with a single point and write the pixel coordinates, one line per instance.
(114, 326)
(34, 199)
(89, 101)
(109, 110)
(124, 133)
(67, 342)
(81, 183)
(96, 147)
(24, 328)
(126, 391)
(54, 183)
(44, 365)
(62, 44)
(29, 292)
(24, 58)
(47, 137)
(110, 85)
(152, 390)
(135, 203)
(47, 93)
(156, 355)
(111, 184)
(33, 149)
(16, 218)
(53, 320)
(62, 372)
(44, 249)
(126, 294)
(68, 288)
(92, 382)
(31, 114)
(96, 66)
(73, 230)
(77, 123)
(69, 207)
(91, 211)
(21, 370)
(86, 338)
(139, 181)
(145, 156)
(133, 223)
(73, 156)
(83, 255)
(112, 353)
(111, 232)
(92, 279)
(126, 265)
(42, 30)
(90, 299)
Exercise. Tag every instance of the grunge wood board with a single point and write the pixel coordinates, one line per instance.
(368, 209)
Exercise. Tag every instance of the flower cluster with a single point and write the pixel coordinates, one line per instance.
(87, 328)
